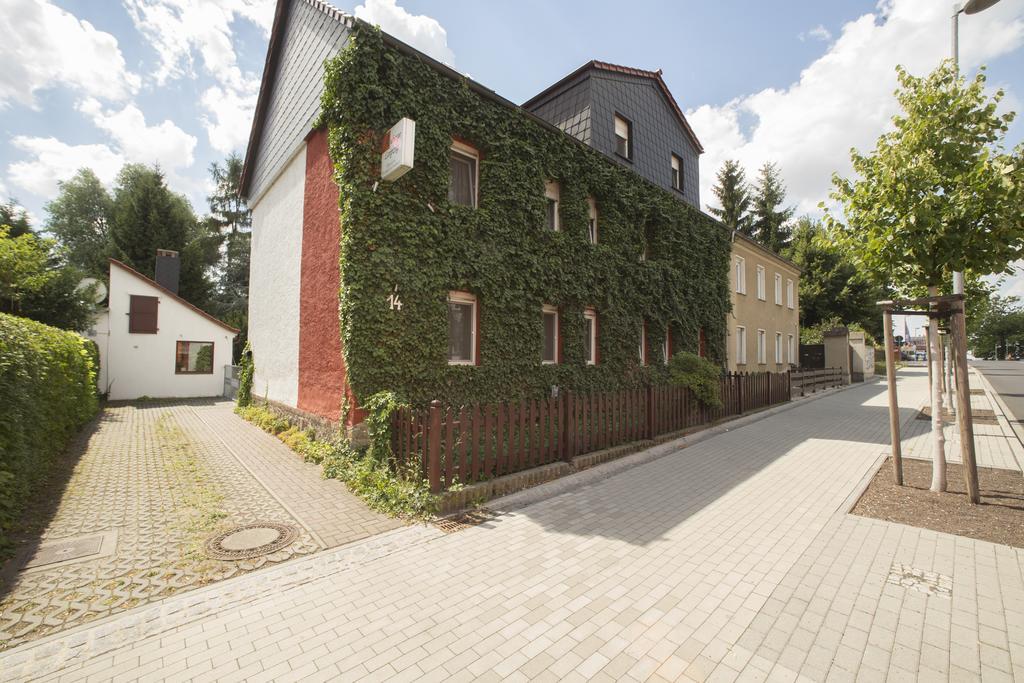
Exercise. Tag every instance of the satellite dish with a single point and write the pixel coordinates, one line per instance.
(98, 287)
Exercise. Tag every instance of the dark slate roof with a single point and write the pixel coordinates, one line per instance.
(629, 71)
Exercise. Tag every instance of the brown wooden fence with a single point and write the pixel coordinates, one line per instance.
(812, 380)
(471, 443)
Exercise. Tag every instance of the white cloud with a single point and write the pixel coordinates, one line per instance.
(164, 144)
(53, 161)
(177, 28)
(228, 117)
(819, 32)
(44, 46)
(844, 99)
(418, 30)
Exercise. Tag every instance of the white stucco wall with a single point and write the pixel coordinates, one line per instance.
(275, 268)
(135, 365)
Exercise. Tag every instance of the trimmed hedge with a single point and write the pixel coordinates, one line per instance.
(47, 392)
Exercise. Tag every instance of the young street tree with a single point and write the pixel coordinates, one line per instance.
(768, 217)
(734, 196)
(938, 194)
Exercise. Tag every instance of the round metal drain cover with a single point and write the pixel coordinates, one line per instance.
(251, 540)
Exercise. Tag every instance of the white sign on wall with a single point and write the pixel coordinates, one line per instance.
(399, 149)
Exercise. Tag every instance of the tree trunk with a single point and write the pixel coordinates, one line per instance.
(938, 437)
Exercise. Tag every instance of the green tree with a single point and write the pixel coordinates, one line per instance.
(938, 194)
(231, 218)
(80, 219)
(147, 216)
(15, 218)
(768, 216)
(34, 284)
(734, 196)
(831, 286)
(1000, 329)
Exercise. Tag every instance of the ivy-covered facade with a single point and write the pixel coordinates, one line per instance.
(445, 275)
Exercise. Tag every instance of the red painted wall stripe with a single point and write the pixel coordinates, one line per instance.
(322, 372)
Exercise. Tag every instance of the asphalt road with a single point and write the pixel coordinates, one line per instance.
(1007, 378)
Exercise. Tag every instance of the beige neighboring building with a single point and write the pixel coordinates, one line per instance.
(763, 330)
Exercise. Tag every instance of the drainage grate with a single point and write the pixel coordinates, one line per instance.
(251, 540)
(464, 520)
(930, 583)
(978, 415)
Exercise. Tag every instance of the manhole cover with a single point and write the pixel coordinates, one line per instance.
(62, 551)
(251, 540)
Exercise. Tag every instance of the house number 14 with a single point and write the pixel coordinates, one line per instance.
(394, 301)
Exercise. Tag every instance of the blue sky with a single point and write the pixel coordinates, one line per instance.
(174, 81)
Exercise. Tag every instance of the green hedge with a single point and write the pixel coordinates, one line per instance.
(47, 392)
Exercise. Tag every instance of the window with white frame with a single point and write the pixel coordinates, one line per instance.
(623, 137)
(461, 328)
(465, 175)
(590, 336)
(778, 347)
(790, 294)
(790, 350)
(740, 270)
(549, 315)
(677, 173)
(553, 219)
(760, 283)
(741, 345)
(666, 346)
(643, 344)
(762, 347)
(778, 289)
(591, 220)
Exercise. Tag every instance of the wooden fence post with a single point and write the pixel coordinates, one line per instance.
(650, 411)
(570, 427)
(434, 448)
(740, 381)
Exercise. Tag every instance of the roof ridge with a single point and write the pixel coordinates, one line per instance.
(168, 292)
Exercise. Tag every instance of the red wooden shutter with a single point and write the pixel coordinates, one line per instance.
(142, 314)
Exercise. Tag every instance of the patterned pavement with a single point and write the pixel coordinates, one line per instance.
(731, 559)
(153, 481)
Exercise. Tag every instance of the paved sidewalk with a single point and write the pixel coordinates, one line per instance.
(731, 559)
(325, 506)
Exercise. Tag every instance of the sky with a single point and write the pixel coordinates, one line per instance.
(174, 82)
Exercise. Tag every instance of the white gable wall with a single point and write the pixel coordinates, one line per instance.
(136, 365)
(275, 267)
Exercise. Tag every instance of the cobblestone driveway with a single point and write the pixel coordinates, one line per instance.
(152, 482)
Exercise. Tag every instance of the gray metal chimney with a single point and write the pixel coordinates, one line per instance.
(168, 269)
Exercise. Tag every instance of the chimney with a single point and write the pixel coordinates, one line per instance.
(168, 269)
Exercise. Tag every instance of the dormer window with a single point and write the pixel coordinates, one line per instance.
(623, 137)
(464, 165)
(677, 173)
(591, 220)
(553, 217)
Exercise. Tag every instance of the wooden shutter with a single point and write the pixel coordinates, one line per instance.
(142, 314)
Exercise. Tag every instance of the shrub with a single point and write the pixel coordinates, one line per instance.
(371, 474)
(698, 374)
(47, 392)
(246, 369)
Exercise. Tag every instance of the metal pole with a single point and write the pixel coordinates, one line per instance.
(958, 277)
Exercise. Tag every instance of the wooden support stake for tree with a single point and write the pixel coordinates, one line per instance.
(963, 404)
(894, 406)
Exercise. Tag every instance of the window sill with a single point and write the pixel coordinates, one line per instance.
(178, 372)
(629, 159)
(462, 362)
(549, 362)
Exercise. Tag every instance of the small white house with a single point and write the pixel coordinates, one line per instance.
(154, 343)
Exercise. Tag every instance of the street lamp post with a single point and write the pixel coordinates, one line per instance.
(969, 7)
